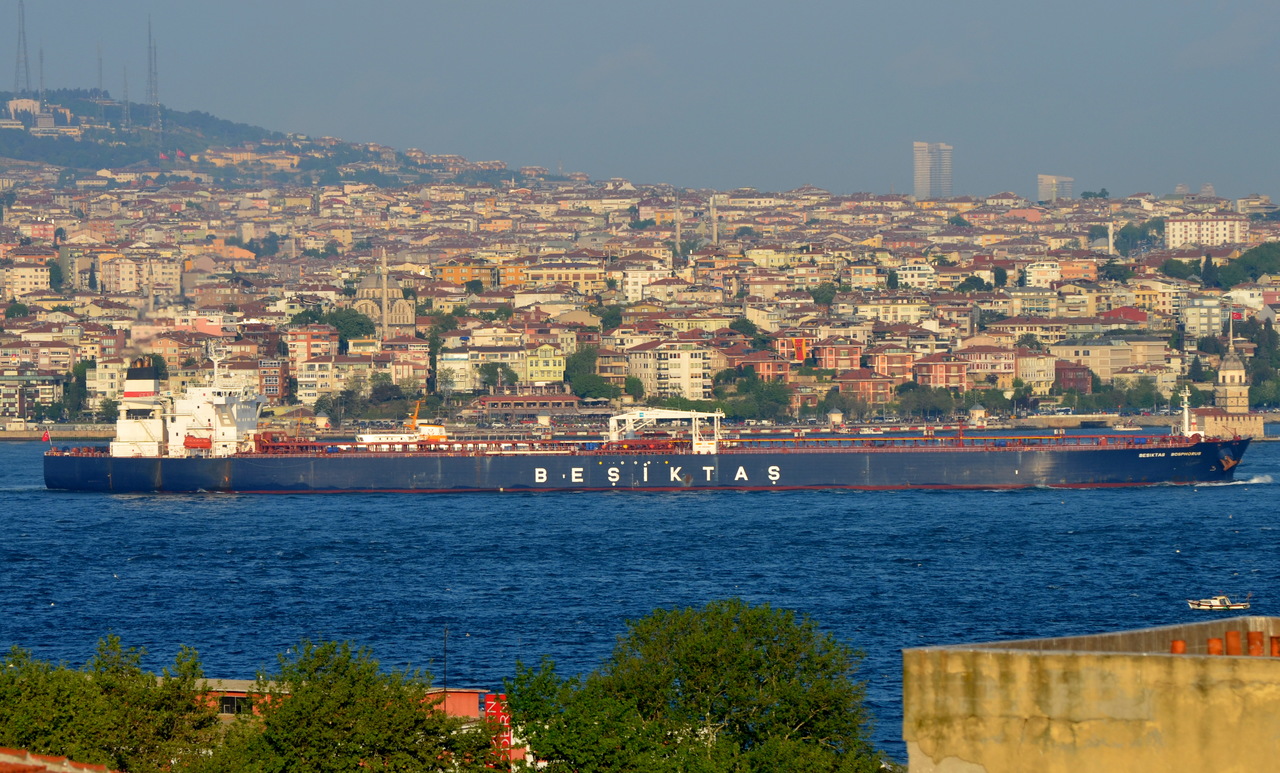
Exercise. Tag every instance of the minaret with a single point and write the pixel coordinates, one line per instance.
(715, 224)
(383, 250)
(676, 252)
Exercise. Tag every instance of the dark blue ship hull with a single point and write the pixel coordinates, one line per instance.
(890, 464)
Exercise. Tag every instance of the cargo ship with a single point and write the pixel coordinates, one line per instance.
(208, 440)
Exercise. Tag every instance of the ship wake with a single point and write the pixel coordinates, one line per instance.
(1254, 480)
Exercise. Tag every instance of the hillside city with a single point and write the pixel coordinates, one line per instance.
(352, 279)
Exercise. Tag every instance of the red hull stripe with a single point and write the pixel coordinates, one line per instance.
(660, 489)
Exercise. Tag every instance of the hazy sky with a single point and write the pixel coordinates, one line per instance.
(1130, 95)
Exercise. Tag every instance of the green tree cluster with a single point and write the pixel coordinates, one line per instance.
(824, 294)
(1116, 271)
(973, 284)
(580, 373)
(725, 687)
(1263, 259)
(497, 374)
(1177, 269)
(111, 712)
(610, 317)
(1135, 237)
(760, 340)
(926, 402)
(330, 707)
(1209, 273)
(349, 323)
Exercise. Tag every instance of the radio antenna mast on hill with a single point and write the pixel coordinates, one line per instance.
(153, 88)
(124, 112)
(22, 73)
(101, 92)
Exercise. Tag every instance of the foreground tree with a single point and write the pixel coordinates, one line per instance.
(110, 713)
(331, 708)
(726, 687)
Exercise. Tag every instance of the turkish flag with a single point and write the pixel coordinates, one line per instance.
(45, 436)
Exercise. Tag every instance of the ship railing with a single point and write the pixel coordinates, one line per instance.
(1071, 442)
(268, 444)
(78, 451)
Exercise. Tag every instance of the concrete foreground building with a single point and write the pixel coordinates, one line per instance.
(1108, 702)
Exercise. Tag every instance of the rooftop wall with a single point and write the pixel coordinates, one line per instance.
(1112, 702)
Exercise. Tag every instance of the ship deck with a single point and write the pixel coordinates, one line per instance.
(276, 447)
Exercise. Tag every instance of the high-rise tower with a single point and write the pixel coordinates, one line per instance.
(932, 170)
(1051, 187)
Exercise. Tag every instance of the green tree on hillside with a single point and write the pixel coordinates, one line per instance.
(634, 386)
(610, 317)
(824, 293)
(1209, 273)
(349, 323)
(494, 374)
(580, 373)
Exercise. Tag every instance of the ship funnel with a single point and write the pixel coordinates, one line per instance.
(141, 379)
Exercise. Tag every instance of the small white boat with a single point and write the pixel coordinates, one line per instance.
(1128, 426)
(1219, 603)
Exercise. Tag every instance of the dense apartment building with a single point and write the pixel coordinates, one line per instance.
(672, 369)
(1205, 229)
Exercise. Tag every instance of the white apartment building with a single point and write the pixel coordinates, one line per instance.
(636, 279)
(1043, 273)
(920, 276)
(1205, 229)
(672, 369)
(1203, 316)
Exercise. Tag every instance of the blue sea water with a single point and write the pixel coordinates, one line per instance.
(519, 576)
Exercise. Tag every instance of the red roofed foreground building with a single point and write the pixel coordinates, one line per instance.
(21, 761)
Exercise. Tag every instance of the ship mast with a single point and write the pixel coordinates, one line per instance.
(1186, 411)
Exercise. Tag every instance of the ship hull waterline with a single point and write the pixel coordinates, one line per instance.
(1208, 461)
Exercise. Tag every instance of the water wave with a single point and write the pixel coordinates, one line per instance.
(1253, 480)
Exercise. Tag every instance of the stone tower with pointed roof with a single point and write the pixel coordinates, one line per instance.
(1232, 392)
(1230, 414)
